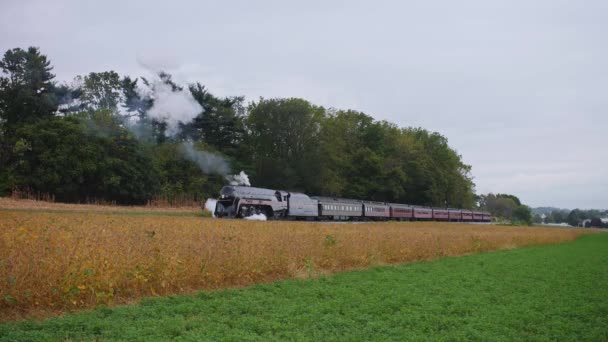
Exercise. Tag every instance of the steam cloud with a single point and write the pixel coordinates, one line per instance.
(175, 106)
(172, 106)
(210, 205)
(208, 162)
(256, 217)
(240, 179)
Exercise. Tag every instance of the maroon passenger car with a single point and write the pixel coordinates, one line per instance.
(440, 214)
(400, 211)
(455, 215)
(467, 215)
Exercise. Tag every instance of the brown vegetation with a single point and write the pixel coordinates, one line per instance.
(53, 262)
(32, 204)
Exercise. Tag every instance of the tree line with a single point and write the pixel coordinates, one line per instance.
(575, 217)
(506, 206)
(99, 137)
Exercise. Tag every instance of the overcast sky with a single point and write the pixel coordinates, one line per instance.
(519, 87)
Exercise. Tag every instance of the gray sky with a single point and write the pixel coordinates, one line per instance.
(519, 87)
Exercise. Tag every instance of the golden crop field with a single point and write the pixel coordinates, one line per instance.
(53, 262)
(25, 204)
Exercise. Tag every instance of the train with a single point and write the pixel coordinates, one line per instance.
(245, 201)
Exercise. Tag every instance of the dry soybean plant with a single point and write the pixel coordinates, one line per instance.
(56, 262)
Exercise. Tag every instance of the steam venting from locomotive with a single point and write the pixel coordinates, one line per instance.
(175, 106)
(240, 179)
(210, 205)
(171, 106)
(208, 162)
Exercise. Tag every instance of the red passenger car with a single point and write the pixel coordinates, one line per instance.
(455, 215)
(400, 211)
(487, 217)
(440, 214)
(477, 216)
(467, 215)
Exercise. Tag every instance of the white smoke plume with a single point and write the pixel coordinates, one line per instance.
(210, 205)
(175, 106)
(208, 162)
(171, 106)
(240, 179)
(256, 217)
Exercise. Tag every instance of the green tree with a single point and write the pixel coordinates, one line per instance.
(101, 90)
(522, 214)
(500, 205)
(181, 178)
(134, 103)
(26, 87)
(445, 179)
(26, 95)
(512, 197)
(282, 143)
(575, 217)
(220, 125)
(348, 152)
(80, 157)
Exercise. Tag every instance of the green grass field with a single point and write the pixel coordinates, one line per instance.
(555, 292)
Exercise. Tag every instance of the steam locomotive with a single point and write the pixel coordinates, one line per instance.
(245, 201)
